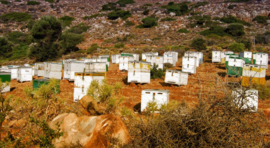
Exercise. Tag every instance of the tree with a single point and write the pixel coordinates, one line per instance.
(69, 41)
(198, 44)
(237, 47)
(5, 47)
(235, 29)
(261, 19)
(148, 22)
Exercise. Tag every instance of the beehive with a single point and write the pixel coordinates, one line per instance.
(5, 78)
(14, 72)
(115, 58)
(235, 66)
(170, 57)
(216, 56)
(253, 74)
(139, 72)
(260, 59)
(227, 57)
(123, 62)
(160, 97)
(223, 54)
(96, 67)
(176, 77)
(148, 53)
(198, 56)
(24, 74)
(247, 55)
(189, 64)
(157, 60)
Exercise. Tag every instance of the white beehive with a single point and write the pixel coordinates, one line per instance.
(55, 71)
(250, 100)
(82, 81)
(6, 79)
(39, 69)
(194, 54)
(254, 71)
(246, 54)
(139, 72)
(216, 56)
(46, 69)
(223, 54)
(157, 60)
(176, 77)
(4, 69)
(123, 62)
(148, 53)
(14, 72)
(115, 58)
(104, 59)
(161, 97)
(95, 67)
(236, 62)
(261, 59)
(170, 57)
(76, 66)
(24, 74)
(189, 64)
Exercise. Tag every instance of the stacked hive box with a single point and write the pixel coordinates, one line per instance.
(96, 67)
(189, 64)
(160, 97)
(55, 71)
(157, 60)
(176, 77)
(139, 72)
(123, 62)
(227, 57)
(223, 56)
(24, 74)
(261, 59)
(82, 81)
(115, 58)
(216, 56)
(39, 69)
(135, 56)
(247, 55)
(198, 56)
(170, 57)
(5, 77)
(148, 53)
(253, 74)
(14, 72)
(46, 70)
(235, 66)
(103, 59)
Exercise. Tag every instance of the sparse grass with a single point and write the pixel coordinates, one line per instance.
(167, 19)
(183, 31)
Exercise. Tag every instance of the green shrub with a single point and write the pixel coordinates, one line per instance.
(178, 9)
(92, 48)
(119, 45)
(148, 22)
(16, 16)
(147, 4)
(69, 41)
(79, 29)
(237, 1)
(217, 30)
(232, 6)
(263, 38)
(146, 12)
(19, 51)
(260, 19)
(237, 47)
(50, 1)
(66, 20)
(235, 29)
(129, 23)
(108, 7)
(122, 3)
(167, 19)
(5, 2)
(119, 13)
(33, 3)
(156, 73)
(198, 4)
(264, 91)
(198, 44)
(183, 31)
(168, 66)
(231, 19)
(5, 47)
(246, 42)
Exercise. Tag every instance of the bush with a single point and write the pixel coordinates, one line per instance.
(146, 12)
(19, 37)
(217, 30)
(198, 4)
(235, 29)
(50, 1)
(263, 38)
(246, 42)
(231, 19)
(5, 47)
(178, 9)
(183, 31)
(264, 91)
(79, 29)
(260, 19)
(198, 44)
(119, 45)
(122, 3)
(119, 13)
(129, 23)
(168, 19)
(33, 3)
(5, 2)
(16, 16)
(156, 73)
(147, 4)
(66, 20)
(148, 22)
(237, 47)
(168, 66)
(232, 6)
(68, 42)
(92, 48)
(92, 16)
(108, 7)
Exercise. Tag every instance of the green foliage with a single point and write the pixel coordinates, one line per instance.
(263, 38)
(231, 19)
(167, 19)
(237, 47)
(146, 12)
(79, 29)
(66, 20)
(69, 41)
(16, 16)
(5, 47)
(92, 48)
(108, 7)
(129, 23)
(92, 16)
(264, 91)
(148, 22)
(19, 37)
(168, 66)
(198, 44)
(122, 3)
(198, 4)
(119, 45)
(235, 29)
(183, 31)
(156, 73)
(232, 6)
(33, 3)
(260, 19)
(217, 30)
(50, 1)
(237, 1)
(246, 42)
(5, 2)
(200, 20)
(19, 52)
(119, 13)
(178, 9)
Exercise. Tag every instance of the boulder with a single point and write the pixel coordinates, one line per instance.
(89, 131)
(90, 105)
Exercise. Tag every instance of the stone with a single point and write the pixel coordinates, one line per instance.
(90, 105)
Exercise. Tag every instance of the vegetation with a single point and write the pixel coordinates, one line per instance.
(237, 47)
(16, 16)
(167, 19)
(68, 42)
(92, 48)
(246, 42)
(50, 1)
(198, 44)
(234, 30)
(66, 20)
(122, 3)
(5, 2)
(129, 23)
(92, 16)
(79, 29)
(232, 6)
(148, 22)
(157, 72)
(264, 91)
(198, 4)
(231, 19)
(5, 47)
(263, 38)
(261, 19)
(183, 31)
(178, 9)
(147, 5)
(33, 3)
(146, 12)
(119, 13)
(108, 7)
(237, 1)
(119, 45)
(217, 30)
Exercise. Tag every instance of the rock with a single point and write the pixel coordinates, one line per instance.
(172, 14)
(267, 112)
(90, 105)
(132, 84)
(90, 132)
